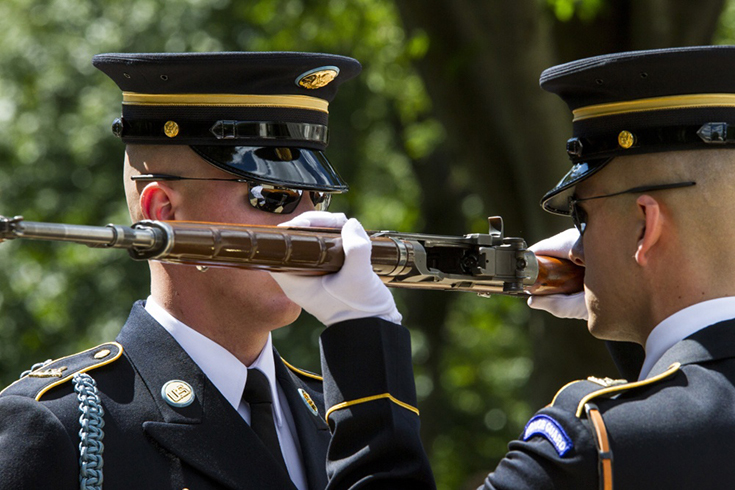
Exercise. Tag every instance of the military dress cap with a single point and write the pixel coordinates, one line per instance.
(259, 116)
(642, 102)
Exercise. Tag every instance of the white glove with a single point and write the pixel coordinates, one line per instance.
(355, 291)
(559, 305)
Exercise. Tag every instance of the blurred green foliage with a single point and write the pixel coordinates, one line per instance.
(60, 162)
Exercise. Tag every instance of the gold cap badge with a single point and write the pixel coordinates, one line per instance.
(308, 401)
(626, 139)
(318, 77)
(178, 393)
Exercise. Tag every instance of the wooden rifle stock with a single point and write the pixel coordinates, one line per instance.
(557, 276)
(481, 263)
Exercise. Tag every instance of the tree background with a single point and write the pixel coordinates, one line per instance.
(445, 126)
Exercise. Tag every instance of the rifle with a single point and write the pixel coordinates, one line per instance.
(481, 263)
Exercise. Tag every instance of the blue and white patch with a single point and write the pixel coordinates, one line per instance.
(545, 426)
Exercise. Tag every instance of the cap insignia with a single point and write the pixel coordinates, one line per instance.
(178, 393)
(626, 139)
(308, 402)
(171, 129)
(318, 77)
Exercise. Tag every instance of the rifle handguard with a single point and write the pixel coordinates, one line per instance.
(481, 263)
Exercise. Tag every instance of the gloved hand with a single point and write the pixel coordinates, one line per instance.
(355, 291)
(559, 305)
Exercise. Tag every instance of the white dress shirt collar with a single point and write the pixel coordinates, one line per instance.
(681, 325)
(223, 369)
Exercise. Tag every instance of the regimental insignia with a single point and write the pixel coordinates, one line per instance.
(318, 77)
(309, 402)
(605, 382)
(551, 430)
(48, 373)
(178, 393)
(171, 129)
(626, 139)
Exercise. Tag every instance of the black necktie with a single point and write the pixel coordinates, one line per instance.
(258, 395)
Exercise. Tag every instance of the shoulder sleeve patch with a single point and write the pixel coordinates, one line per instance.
(36, 383)
(302, 372)
(575, 395)
(550, 429)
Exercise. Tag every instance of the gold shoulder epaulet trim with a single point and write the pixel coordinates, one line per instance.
(302, 372)
(367, 399)
(59, 371)
(627, 386)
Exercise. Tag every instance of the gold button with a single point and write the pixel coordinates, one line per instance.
(171, 129)
(102, 354)
(626, 139)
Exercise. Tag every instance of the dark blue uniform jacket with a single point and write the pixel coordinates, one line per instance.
(675, 430)
(149, 444)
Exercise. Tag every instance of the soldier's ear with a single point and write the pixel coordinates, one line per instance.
(157, 202)
(651, 226)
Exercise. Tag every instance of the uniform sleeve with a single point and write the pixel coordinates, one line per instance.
(35, 449)
(555, 450)
(370, 397)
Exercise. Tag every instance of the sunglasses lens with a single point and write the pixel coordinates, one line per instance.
(272, 199)
(321, 200)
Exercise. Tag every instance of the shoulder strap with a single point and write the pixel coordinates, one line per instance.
(578, 397)
(40, 380)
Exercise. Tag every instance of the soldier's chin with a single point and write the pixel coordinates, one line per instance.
(606, 328)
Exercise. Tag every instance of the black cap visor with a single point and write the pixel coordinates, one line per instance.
(296, 168)
(556, 201)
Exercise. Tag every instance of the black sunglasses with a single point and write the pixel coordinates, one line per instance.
(579, 215)
(263, 197)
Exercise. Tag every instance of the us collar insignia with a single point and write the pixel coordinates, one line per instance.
(178, 393)
(318, 77)
(309, 402)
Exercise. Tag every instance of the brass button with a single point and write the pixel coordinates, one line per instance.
(171, 129)
(626, 139)
(102, 354)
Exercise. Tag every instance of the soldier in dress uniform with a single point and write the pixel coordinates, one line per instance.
(192, 393)
(650, 193)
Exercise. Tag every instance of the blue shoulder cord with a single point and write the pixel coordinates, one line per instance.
(91, 433)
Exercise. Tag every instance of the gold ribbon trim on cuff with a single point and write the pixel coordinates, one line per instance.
(367, 399)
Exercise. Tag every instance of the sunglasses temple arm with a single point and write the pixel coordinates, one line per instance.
(480, 263)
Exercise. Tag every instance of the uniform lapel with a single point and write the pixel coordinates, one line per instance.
(209, 434)
(312, 430)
